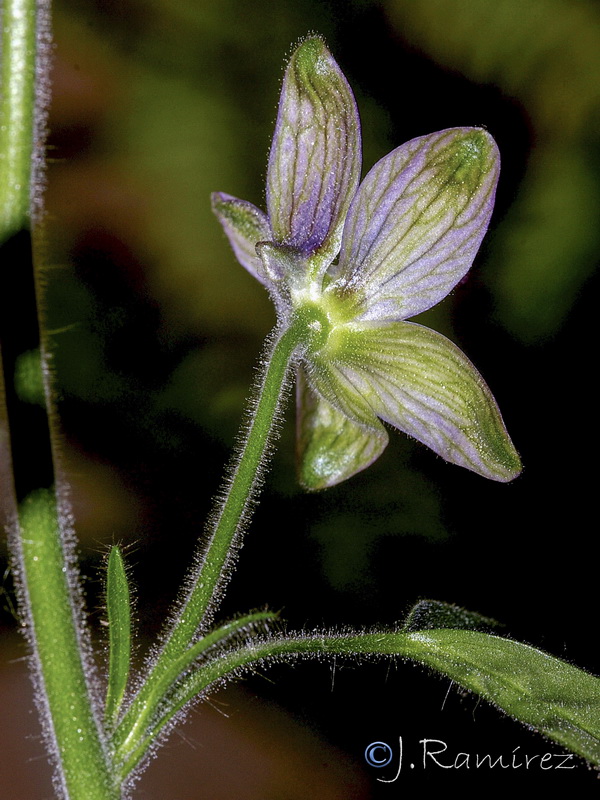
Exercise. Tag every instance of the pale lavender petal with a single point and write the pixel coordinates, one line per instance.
(418, 381)
(245, 226)
(416, 223)
(340, 388)
(314, 163)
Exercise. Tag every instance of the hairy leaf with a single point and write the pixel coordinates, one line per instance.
(119, 632)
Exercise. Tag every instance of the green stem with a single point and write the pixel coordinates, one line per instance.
(212, 571)
(83, 760)
(214, 561)
(17, 113)
(44, 564)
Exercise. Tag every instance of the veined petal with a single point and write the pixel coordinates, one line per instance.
(339, 385)
(245, 226)
(314, 163)
(330, 447)
(416, 223)
(418, 381)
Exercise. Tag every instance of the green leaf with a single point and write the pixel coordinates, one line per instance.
(119, 632)
(557, 699)
(137, 730)
(428, 614)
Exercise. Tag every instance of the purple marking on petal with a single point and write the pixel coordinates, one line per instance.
(314, 163)
(416, 223)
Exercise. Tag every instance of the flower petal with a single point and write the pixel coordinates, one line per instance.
(245, 226)
(416, 223)
(418, 381)
(330, 447)
(314, 163)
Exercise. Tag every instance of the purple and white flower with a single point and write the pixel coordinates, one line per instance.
(357, 262)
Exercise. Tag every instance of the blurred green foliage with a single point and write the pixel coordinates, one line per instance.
(29, 382)
(546, 55)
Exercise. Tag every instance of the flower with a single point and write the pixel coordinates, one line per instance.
(356, 262)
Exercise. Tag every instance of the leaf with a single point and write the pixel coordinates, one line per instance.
(556, 698)
(428, 614)
(119, 632)
(137, 730)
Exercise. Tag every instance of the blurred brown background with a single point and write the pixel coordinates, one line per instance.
(156, 330)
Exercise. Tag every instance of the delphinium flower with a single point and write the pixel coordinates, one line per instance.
(356, 262)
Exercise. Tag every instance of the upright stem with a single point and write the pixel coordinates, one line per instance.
(239, 492)
(212, 569)
(17, 112)
(46, 575)
(82, 757)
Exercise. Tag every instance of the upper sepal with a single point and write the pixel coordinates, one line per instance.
(315, 158)
(416, 223)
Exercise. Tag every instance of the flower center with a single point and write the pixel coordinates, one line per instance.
(316, 324)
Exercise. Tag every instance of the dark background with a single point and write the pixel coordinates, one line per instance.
(156, 330)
